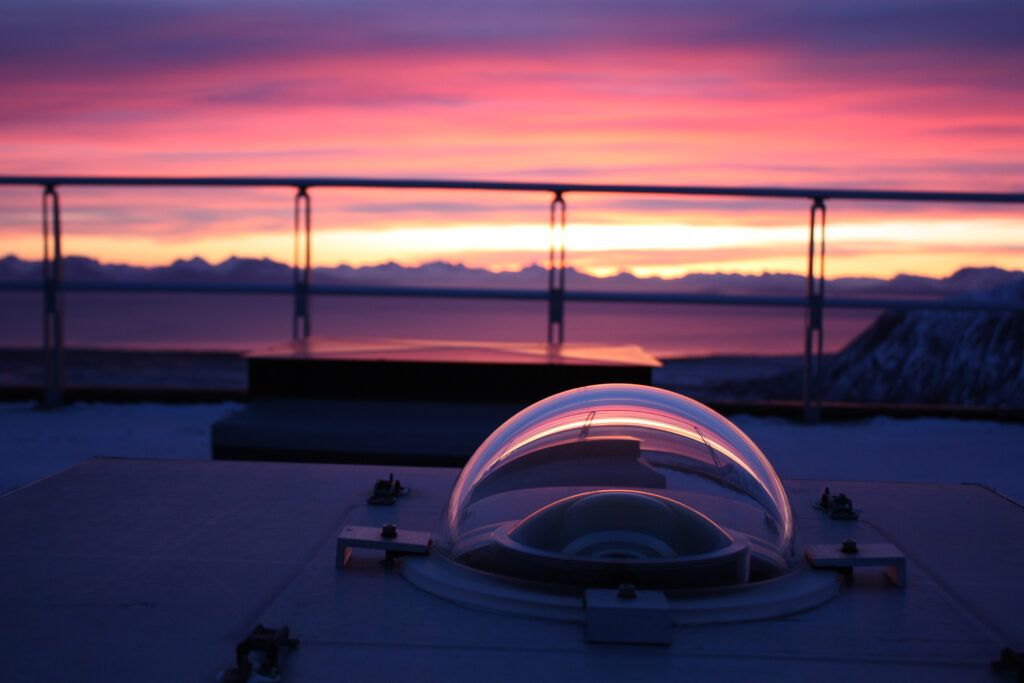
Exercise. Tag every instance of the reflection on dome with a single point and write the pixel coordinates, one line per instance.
(619, 483)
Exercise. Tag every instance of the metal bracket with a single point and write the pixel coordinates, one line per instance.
(850, 554)
(556, 272)
(387, 538)
(53, 304)
(813, 328)
(302, 268)
(627, 615)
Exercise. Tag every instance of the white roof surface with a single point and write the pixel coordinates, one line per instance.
(142, 569)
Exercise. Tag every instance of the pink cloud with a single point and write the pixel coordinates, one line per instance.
(856, 95)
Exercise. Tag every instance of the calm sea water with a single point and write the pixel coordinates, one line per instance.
(244, 322)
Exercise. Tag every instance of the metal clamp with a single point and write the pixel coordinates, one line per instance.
(395, 544)
(851, 554)
(837, 507)
(387, 491)
(267, 643)
(1010, 660)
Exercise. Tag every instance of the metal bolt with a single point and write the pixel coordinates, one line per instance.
(849, 546)
(389, 531)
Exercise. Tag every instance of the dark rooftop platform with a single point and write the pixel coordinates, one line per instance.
(419, 369)
(403, 401)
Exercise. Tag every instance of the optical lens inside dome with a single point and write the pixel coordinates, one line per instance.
(620, 483)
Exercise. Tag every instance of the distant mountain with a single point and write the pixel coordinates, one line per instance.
(440, 274)
(196, 270)
(973, 358)
(952, 357)
(13, 269)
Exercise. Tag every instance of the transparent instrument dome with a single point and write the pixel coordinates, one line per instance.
(620, 483)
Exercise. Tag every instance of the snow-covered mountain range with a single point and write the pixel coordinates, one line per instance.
(440, 274)
(937, 357)
(973, 358)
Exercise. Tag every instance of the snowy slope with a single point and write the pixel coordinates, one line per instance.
(939, 357)
(971, 358)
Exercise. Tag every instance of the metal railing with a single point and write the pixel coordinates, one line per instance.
(556, 295)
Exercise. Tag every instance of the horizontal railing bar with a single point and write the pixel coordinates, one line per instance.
(911, 304)
(680, 298)
(563, 188)
(178, 287)
(21, 286)
(217, 288)
(448, 292)
(428, 292)
(794, 301)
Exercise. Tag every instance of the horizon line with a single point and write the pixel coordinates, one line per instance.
(520, 269)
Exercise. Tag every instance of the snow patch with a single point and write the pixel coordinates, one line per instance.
(38, 443)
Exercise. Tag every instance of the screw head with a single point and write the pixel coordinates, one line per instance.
(389, 531)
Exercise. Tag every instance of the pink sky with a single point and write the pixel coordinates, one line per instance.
(886, 95)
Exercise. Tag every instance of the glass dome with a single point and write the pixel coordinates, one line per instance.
(619, 483)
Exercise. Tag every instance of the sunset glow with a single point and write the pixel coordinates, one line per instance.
(880, 95)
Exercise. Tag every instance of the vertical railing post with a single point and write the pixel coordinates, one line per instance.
(53, 308)
(302, 272)
(556, 272)
(813, 343)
